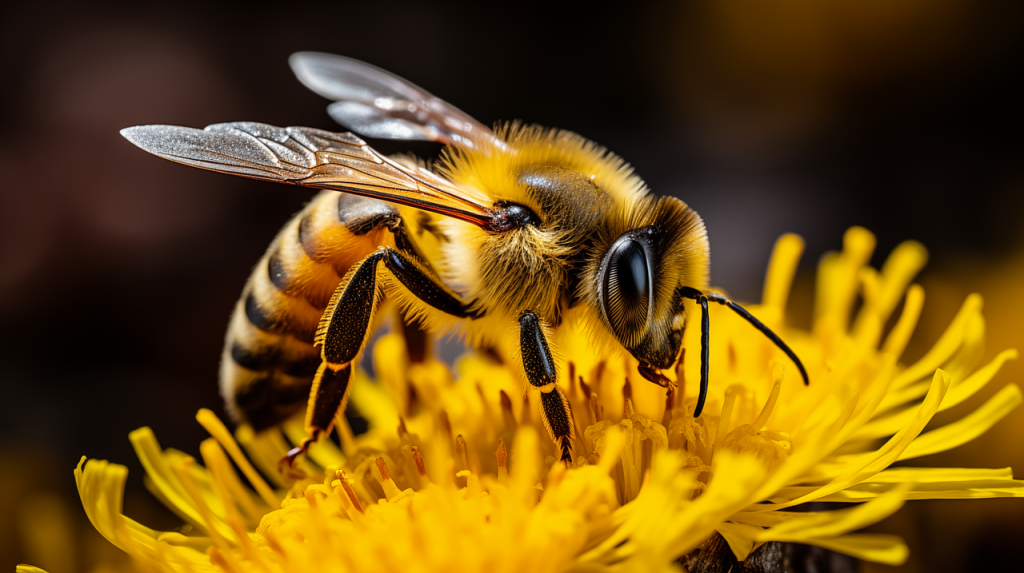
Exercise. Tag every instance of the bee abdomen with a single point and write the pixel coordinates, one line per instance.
(269, 359)
(269, 398)
(318, 246)
(265, 377)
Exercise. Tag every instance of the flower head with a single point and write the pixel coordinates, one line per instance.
(454, 473)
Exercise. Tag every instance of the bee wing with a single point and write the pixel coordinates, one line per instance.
(311, 158)
(376, 103)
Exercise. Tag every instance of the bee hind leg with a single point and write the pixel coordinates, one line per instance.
(344, 330)
(327, 397)
(340, 336)
(540, 371)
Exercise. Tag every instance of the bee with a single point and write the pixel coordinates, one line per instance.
(522, 227)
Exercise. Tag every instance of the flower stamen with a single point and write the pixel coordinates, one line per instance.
(421, 467)
(460, 450)
(391, 490)
(502, 457)
(183, 469)
(349, 492)
(507, 416)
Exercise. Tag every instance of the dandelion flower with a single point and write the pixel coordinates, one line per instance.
(456, 474)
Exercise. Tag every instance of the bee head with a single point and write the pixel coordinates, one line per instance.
(639, 276)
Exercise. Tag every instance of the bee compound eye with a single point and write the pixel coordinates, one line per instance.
(627, 289)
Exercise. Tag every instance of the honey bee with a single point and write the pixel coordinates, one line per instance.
(523, 227)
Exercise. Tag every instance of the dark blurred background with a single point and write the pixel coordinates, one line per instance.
(118, 270)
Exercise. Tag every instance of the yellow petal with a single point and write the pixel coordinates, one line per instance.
(837, 279)
(164, 483)
(885, 549)
(945, 347)
(101, 489)
(781, 268)
(932, 475)
(822, 524)
(216, 428)
(741, 538)
(960, 489)
(264, 450)
(899, 269)
(969, 427)
(229, 487)
(874, 462)
(219, 530)
(976, 381)
(899, 336)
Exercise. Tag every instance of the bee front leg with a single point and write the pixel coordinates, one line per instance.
(540, 371)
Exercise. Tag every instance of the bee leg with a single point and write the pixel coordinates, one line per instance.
(341, 335)
(327, 397)
(422, 284)
(345, 326)
(540, 371)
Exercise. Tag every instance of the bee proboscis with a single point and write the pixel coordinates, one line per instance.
(521, 226)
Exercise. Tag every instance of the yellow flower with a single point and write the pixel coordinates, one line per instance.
(455, 474)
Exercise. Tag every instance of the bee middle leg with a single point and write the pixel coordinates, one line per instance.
(345, 327)
(540, 371)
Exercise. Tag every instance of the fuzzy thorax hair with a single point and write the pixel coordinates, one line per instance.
(599, 199)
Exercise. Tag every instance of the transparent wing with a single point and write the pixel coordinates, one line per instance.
(376, 103)
(311, 158)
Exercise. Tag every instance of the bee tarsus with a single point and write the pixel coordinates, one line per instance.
(539, 365)
(288, 461)
(558, 421)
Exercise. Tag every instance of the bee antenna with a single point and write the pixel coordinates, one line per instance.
(703, 299)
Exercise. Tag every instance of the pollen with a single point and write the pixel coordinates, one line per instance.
(455, 468)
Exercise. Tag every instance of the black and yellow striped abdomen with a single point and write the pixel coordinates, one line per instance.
(269, 359)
